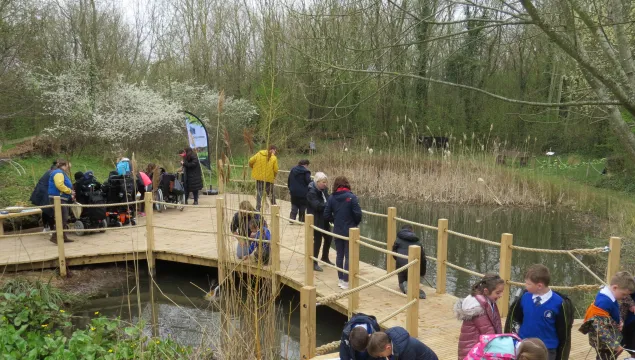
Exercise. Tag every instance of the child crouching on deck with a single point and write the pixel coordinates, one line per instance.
(260, 251)
(602, 319)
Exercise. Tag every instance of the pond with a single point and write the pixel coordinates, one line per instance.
(190, 319)
(538, 228)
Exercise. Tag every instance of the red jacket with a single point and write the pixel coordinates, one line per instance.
(478, 319)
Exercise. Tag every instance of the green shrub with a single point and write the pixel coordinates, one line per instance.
(34, 325)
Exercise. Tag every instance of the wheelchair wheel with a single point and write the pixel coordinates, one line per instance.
(158, 196)
(103, 225)
(180, 200)
(79, 226)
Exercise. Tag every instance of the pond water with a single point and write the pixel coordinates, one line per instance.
(539, 228)
(188, 318)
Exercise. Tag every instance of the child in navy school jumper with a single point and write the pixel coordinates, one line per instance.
(542, 313)
(602, 321)
(627, 312)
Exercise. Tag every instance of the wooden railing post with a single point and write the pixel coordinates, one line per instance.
(615, 246)
(275, 247)
(505, 271)
(414, 274)
(307, 322)
(59, 232)
(391, 236)
(149, 210)
(220, 237)
(353, 269)
(308, 250)
(442, 255)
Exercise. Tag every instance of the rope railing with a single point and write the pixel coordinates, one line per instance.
(587, 269)
(184, 205)
(387, 252)
(374, 214)
(330, 233)
(183, 229)
(334, 297)
(125, 227)
(372, 241)
(384, 287)
(582, 287)
(290, 249)
(468, 271)
(329, 265)
(396, 312)
(18, 209)
(251, 239)
(290, 220)
(19, 235)
(413, 223)
(247, 211)
(474, 238)
(327, 348)
(591, 251)
(431, 258)
(102, 205)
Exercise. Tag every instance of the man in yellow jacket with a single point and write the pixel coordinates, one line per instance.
(264, 168)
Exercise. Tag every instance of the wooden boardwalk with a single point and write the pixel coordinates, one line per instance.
(437, 326)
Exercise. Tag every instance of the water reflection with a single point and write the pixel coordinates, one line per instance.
(538, 228)
(191, 320)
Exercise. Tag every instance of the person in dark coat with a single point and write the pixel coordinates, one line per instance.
(298, 184)
(40, 197)
(355, 337)
(343, 210)
(316, 198)
(192, 173)
(397, 344)
(405, 238)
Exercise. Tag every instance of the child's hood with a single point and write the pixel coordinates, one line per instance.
(468, 308)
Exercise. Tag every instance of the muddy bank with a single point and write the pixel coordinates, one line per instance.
(83, 282)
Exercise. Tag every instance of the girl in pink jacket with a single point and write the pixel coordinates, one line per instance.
(479, 312)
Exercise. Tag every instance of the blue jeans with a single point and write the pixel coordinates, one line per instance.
(341, 261)
(242, 249)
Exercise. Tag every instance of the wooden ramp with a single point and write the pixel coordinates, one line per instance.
(437, 326)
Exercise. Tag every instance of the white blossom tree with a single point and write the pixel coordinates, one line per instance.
(126, 116)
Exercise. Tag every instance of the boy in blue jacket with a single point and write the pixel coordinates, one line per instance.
(397, 344)
(356, 335)
(259, 250)
(602, 321)
(542, 313)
